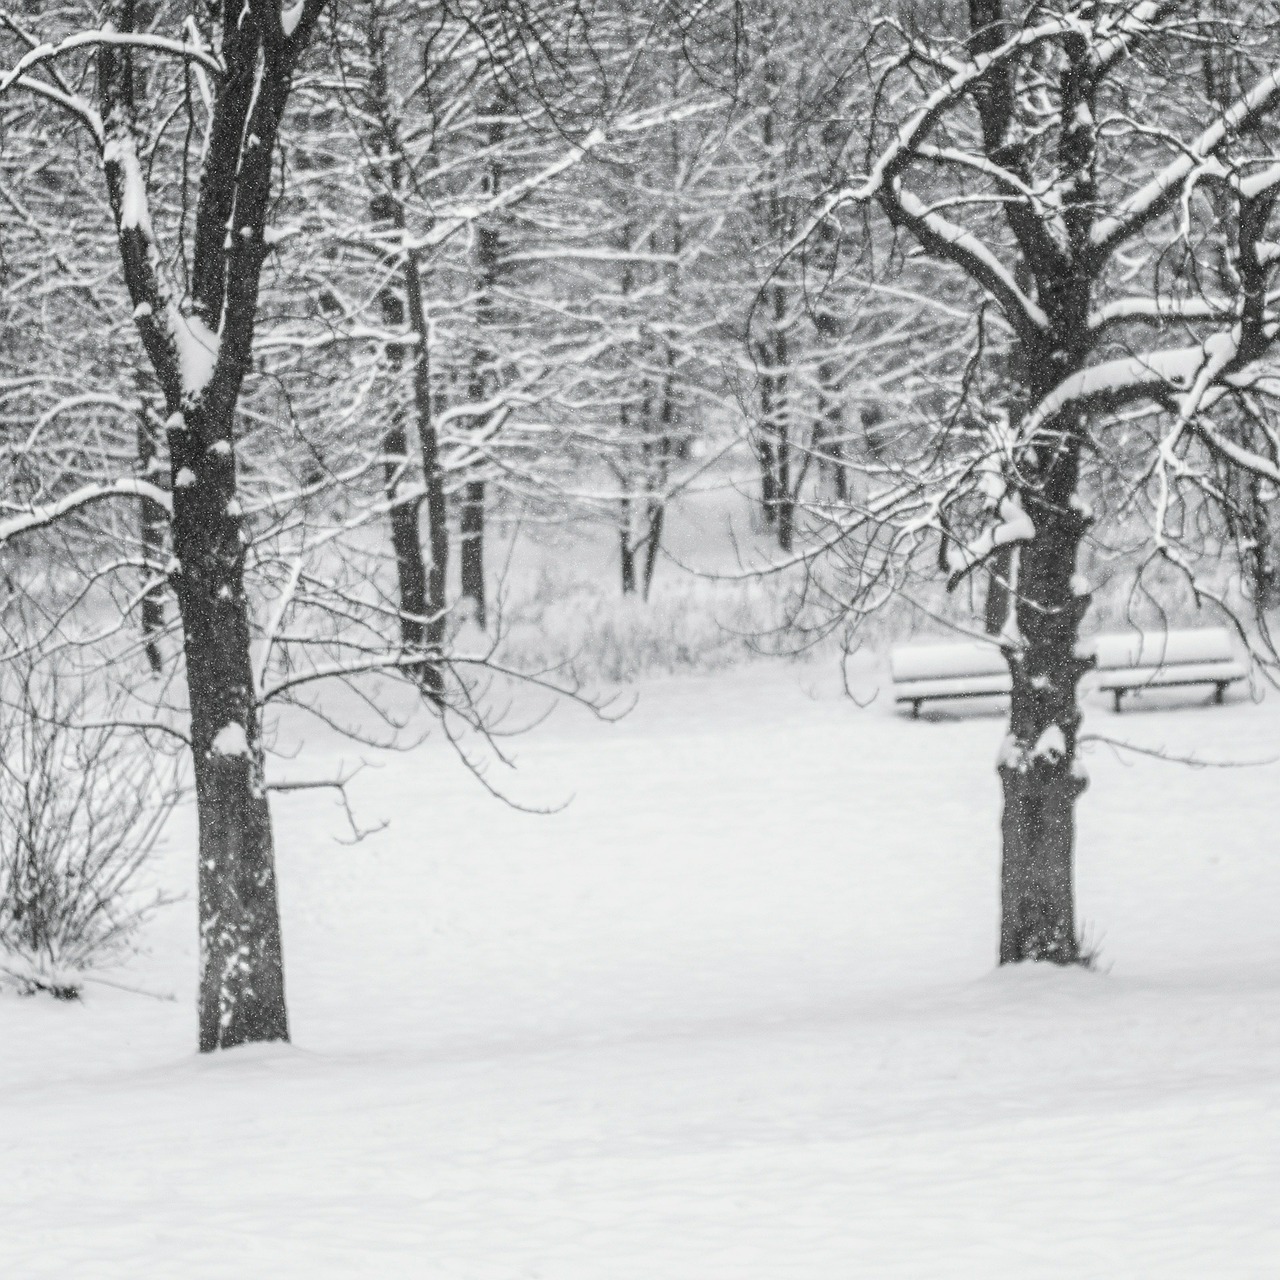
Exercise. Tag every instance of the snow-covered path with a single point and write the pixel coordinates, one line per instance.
(731, 1014)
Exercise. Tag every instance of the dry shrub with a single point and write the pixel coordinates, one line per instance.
(82, 802)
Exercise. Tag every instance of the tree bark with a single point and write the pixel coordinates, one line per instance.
(153, 526)
(241, 958)
(999, 581)
(484, 377)
(471, 548)
(626, 548)
(421, 583)
(201, 349)
(1038, 771)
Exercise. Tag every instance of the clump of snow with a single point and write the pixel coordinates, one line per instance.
(184, 479)
(1079, 585)
(234, 509)
(119, 150)
(290, 17)
(220, 447)
(1051, 745)
(197, 346)
(230, 740)
(142, 310)
(1011, 754)
(991, 481)
(175, 422)
(1014, 526)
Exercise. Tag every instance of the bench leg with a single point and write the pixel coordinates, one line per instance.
(1219, 692)
(1116, 695)
(915, 710)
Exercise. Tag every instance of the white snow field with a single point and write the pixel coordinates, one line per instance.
(731, 1014)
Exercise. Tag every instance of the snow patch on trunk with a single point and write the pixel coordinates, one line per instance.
(1051, 745)
(197, 347)
(290, 17)
(230, 740)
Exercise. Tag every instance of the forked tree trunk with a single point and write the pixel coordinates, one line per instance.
(1038, 771)
(201, 349)
(420, 583)
(420, 594)
(656, 517)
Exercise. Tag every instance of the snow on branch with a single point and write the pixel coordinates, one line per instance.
(50, 512)
(1185, 373)
(636, 122)
(1135, 22)
(43, 53)
(946, 239)
(1014, 526)
(901, 150)
(71, 102)
(1161, 309)
(1166, 188)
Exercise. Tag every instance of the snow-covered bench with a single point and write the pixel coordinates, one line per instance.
(956, 669)
(1135, 660)
(1125, 662)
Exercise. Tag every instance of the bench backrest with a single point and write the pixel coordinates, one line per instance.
(1160, 648)
(946, 661)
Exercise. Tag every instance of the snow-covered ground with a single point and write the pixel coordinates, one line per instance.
(732, 1013)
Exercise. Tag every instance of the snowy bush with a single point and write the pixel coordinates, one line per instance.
(689, 623)
(81, 805)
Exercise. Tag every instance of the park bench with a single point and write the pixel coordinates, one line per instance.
(1125, 662)
(954, 669)
(1133, 660)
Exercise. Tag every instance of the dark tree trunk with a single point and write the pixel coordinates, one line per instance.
(768, 482)
(484, 374)
(656, 516)
(999, 582)
(471, 550)
(774, 450)
(421, 604)
(828, 436)
(626, 548)
(786, 497)
(421, 584)
(241, 961)
(201, 350)
(154, 525)
(411, 570)
(1038, 771)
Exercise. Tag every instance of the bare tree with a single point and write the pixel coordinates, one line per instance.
(197, 329)
(1112, 221)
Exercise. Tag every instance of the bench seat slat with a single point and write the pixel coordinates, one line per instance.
(956, 687)
(1182, 673)
(1128, 650)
